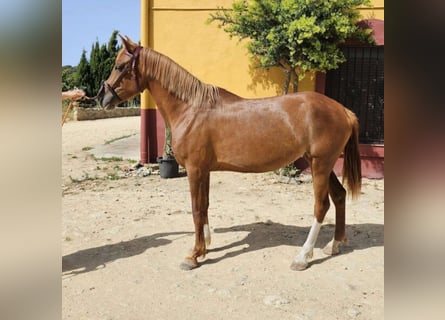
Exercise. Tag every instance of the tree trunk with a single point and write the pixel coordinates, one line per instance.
(167, 151)
(295, 81)
(290, 75)
(287, 81)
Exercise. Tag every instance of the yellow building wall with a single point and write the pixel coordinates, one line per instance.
(178, 29)
(376, 11)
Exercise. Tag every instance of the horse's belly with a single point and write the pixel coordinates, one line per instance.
(258, 141)
(258, 157)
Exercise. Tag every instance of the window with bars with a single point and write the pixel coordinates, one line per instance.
(358, 84)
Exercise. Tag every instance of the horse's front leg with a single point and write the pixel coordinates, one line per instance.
(199, 181)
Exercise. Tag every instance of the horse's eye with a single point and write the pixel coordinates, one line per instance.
(119, 68)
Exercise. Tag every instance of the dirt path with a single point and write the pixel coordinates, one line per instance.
(124, 235)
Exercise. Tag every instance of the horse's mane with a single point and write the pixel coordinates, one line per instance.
(179, 82)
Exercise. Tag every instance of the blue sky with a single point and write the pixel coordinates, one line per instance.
(85, 21)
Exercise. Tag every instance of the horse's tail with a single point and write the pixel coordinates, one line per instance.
(352, 171)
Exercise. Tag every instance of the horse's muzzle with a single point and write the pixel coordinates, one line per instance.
(104, 97)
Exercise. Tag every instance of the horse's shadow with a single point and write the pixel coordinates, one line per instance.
(271, 234)
(96, 258)
(260, 236)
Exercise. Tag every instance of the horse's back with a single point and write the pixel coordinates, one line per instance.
(264, 134)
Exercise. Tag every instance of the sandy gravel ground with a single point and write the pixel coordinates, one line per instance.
(124, 235)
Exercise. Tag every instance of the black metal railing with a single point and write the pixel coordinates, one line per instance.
(358, 84)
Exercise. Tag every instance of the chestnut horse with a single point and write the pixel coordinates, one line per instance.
(213, 129)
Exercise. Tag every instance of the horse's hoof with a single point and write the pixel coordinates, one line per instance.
(188, 265)
(332, 248)
(299, 265)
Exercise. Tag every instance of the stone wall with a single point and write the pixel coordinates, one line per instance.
(80, 114)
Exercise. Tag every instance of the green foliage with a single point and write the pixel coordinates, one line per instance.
(88, 74)
(296, 35)
(68, 77)
(101, 63)
(84, 79)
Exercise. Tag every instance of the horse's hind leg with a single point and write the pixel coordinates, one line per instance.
(320, 175)
(338, 196)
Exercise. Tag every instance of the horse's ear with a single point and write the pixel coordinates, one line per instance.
(128, 44)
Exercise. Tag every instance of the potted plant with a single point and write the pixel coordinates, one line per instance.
(168, 167)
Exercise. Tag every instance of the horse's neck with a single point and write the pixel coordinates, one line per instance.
(170, 107)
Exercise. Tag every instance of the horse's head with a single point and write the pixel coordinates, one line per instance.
(123, 82)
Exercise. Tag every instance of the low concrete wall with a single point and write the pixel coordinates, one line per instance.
(80, 114)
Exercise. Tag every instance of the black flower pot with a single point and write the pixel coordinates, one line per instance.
(168, 168)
